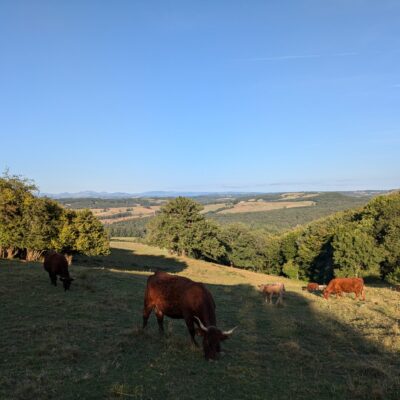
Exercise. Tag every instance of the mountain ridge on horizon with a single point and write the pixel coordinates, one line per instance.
(160, 193)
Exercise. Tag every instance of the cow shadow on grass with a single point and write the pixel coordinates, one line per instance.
(129, 260)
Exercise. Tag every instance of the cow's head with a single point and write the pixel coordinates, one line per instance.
(327, 292)
(66, 282)
(212, 337)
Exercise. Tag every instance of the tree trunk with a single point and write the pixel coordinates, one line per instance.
(11, 252)
(33, 255)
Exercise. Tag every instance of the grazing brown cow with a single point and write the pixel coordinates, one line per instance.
(269, 289)
(347, 285)
(56, 264)
(182, 298)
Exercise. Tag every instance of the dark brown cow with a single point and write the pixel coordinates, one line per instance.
(56, 264)
(182, 298)
(347, 285)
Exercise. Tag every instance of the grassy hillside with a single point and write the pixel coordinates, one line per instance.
(88, 344)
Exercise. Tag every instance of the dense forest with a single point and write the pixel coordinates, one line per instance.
(30, 225)
(363, 241)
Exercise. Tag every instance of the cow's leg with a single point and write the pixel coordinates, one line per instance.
(53, 279)
(191, 329)
(146, 314)
(160, 320)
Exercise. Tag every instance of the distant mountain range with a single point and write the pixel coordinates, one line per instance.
(121, 195)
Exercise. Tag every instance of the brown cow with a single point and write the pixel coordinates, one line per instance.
(312, 287)
(347, 285)
(56, 264)
(269, 289)
(182, 298)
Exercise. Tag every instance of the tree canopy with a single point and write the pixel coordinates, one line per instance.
(30, 225)
(182, 229)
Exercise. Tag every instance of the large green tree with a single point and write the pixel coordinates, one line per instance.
(182, 229)
(15, 191)
(41, 223)
(245, 249)
(30, 225)
(355, 251)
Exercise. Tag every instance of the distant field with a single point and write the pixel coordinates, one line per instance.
(279, 220)
(88, 343)
(258, 206)
(118, 214)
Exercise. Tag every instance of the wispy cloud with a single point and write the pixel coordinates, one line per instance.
(289, 57)
(282, 58)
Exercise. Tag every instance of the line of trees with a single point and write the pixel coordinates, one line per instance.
(31, 225)
(358, 242)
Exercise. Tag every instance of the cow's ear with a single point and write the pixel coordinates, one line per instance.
(199, 332)
(223, 337)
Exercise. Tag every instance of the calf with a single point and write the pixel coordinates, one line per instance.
(269, 289)
(347, 285)
(312, 287)
(56, 264)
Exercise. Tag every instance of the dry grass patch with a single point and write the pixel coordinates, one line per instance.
(258, 206)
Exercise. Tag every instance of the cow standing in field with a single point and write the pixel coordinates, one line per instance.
(346, 285)
(181, 298)
(269, 289)
(56, 264)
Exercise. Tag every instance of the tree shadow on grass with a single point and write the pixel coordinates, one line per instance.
(128, 260)
(297, 351)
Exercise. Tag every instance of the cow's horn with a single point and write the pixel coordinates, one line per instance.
(201, 325)
(228, 333)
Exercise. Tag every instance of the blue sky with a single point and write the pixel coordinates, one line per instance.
(201, 95)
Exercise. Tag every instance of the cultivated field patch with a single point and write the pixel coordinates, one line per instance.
(260, 205)
(117, 214)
